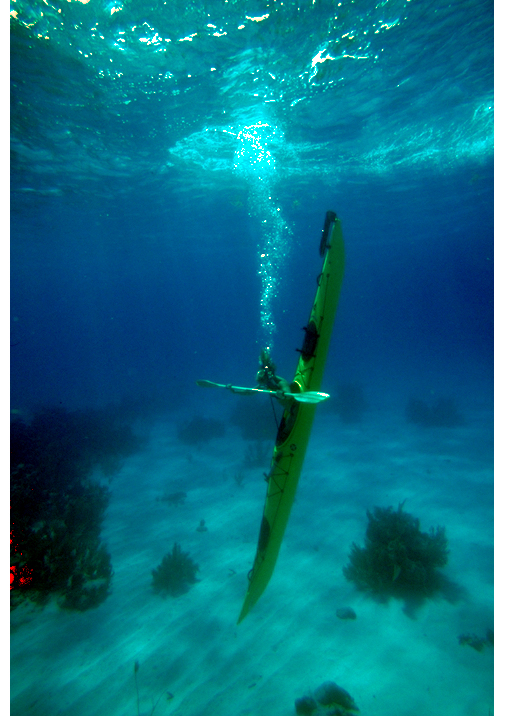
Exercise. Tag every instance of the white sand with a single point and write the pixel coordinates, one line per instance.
(191, 652)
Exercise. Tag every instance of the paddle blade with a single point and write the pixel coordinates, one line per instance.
(310, 396)
(208, 384)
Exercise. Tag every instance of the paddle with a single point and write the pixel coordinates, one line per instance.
(309, 396)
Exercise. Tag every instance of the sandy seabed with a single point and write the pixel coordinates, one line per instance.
(194, 660)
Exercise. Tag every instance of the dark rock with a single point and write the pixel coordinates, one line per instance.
(174, 498)
(346, 613)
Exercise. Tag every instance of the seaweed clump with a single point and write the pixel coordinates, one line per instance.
(398, 560)
(257, 454)
(477, 642)
(329, 699)
(57, 510)
(175, 574)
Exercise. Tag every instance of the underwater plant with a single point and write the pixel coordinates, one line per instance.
(329, 699)
(55, 543)
(239, 478)
(398, 560)
(257, 454)
(89, 585)
(442, 414)
(477, 642)
(169, 696)
(57, 510)
(175, 574)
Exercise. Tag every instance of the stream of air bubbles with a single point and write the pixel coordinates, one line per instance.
(255, 162)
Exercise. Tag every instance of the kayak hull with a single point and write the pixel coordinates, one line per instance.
(294, 431)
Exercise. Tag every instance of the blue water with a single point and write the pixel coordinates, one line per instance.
(159, 149)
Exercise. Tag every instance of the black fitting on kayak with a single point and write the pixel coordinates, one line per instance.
(308, 350)
(329, 220)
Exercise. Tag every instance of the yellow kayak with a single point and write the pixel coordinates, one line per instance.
(294, 430)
